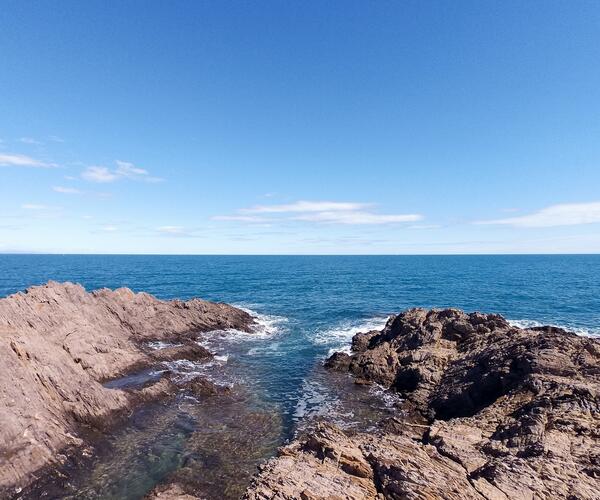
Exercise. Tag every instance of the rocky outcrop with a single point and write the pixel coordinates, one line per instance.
(490, 411)
(58, 343)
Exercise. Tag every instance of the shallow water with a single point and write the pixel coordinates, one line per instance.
(309, 306)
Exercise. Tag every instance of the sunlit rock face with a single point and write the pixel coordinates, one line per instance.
(490, 410)
(58, 343)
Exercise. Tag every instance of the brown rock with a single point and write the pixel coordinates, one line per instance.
(58, 342)
(200, 386)
(508, 413)
(190, 351)
(170, 492)
(339, 361)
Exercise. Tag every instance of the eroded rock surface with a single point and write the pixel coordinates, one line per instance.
(59, 342)
(490, 411)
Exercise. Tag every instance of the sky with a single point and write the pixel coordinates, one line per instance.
(300, 127)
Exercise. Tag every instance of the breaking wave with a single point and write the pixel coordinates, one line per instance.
(531, 323)
(338, 338)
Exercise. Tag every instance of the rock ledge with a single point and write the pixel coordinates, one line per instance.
(58, 343)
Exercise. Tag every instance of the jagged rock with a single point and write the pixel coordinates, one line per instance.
(339, 361)
(200, 386)
(170, 492)
(491, 411)
(59, 342)
(190, 351)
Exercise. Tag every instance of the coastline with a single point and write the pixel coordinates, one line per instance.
(400, 409)
(62, 343)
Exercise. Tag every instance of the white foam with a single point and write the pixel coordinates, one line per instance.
(531, 323)
(317, 401)
(269, 348)
(389, 398)
(267, 325)
(339, 337)
(159, 344)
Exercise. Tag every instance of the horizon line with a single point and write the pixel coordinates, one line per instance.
(297, 254)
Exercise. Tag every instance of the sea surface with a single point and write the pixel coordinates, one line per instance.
(308, 307)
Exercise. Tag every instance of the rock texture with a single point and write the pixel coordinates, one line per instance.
(58, 343)
(490, 411)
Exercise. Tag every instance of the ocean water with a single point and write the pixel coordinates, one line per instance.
(309, 306)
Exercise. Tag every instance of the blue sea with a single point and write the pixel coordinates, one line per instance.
(313, 304)
(310, 306)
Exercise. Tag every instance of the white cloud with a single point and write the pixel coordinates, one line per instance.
(109, 229)
(127, 169)
(328, 212)
(240, 218)
(306, 206)
(567, 214)
(124, 170)
(65, 190)
(17, 160)
(357, 217)
(99, 174)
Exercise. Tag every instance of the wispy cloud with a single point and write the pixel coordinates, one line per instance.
(241, 218)
(177, 232)
(124, 170)
(325, 212)
(306, 206)
(109, 229)
(30, 140)
(99, 174)
(567, 214)
(65, 190)
(18, 160)
(358, 218)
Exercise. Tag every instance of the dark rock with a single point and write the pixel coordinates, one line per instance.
(489, 410)
(339, 361)
(190, 351)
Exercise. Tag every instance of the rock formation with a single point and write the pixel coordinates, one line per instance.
(58, 343)
(490, 411)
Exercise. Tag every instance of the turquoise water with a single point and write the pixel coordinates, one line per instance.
(308, 306)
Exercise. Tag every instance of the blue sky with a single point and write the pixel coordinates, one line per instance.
(300, 127)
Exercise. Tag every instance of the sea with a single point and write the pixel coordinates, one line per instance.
(307, 307)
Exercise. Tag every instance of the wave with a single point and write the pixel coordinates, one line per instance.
(265, 325)
(185, 370)
(531, 323)
(338, 338)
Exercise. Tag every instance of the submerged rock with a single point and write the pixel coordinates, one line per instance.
(59, 342)
(490, 411)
